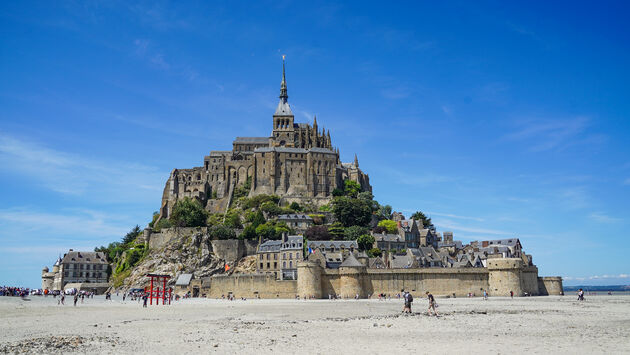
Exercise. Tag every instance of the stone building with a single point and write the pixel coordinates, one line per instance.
(76, 267)
(297, 222)
(280, 257)
(297, 162)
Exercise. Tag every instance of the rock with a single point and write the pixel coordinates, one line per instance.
(215, 345)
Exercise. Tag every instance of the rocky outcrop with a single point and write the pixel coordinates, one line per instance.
(191, 253)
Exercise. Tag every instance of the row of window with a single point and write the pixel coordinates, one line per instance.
(275, 265)
(284, 256)
(85, 274)
(84, 266)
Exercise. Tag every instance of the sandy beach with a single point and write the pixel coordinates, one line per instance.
(601, 324)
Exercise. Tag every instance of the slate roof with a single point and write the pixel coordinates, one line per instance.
(270, 246)
(388, 238)
(183, 280)
(255, 140)
(84, 257)
(351, 261)
(512, 242)
(332, 244)
(293, 242)
(401, 262)
(283, 109)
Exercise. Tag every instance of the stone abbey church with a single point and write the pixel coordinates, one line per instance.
(297, 162)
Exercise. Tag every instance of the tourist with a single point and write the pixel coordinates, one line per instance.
(432, 303)
(76, 298)
(145, 297)
(124, 296)
(485, 294)
(408, 301)
(63, 298)
(511, 294)
(580, 295)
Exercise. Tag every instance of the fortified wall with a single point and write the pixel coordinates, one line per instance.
(499, 278)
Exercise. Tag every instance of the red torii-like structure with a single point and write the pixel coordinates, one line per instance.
(157, 294)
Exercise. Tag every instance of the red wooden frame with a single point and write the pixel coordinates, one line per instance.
(164, 294)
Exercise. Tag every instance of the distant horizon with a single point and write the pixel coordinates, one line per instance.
(497, 121)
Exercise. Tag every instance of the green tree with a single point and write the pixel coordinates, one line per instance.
(221, 232)
(426, 221)
(188, 213)
(233, 220)
(336, 230)
(389, 225)
(352, 212)
(375, 253)
(271, 209)
(384, 212)
(354, 232)
(365, 195)
(266, 231)
(317, 233)
(132, 235)
(351, 188)
(249, 232)
(295, 206)
(365, 242)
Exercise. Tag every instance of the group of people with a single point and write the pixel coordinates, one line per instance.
(14, 291)
(408, 298)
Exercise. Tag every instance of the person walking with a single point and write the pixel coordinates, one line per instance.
(76, 298)
(432, 304)
(511, 294)
(580, 295)
(408, 301)
(144, 300)
(485, 294)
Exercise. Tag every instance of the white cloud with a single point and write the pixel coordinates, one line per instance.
(603, 218)
(545, 135)
(74, 174)
(596, 277)
(70, 224)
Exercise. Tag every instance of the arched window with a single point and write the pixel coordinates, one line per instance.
(284, 264)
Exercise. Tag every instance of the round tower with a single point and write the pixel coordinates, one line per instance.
(45, 270)
(309, 279)
(504, 275)
(351, 278)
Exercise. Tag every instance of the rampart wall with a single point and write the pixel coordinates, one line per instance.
(501, 277)
(250, 286)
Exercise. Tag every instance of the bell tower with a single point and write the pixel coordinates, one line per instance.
(283, 134)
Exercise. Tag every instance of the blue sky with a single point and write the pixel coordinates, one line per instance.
(498, 120)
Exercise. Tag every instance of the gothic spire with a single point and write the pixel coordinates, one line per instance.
(356, 160)
(283, 85)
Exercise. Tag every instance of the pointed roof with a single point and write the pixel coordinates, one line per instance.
(351, 261)
(283, 108)
(356, 160)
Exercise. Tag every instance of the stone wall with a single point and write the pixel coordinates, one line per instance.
(550, 285)
(501, 277)
(249, 286)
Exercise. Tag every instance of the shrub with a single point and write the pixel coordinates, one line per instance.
(221, 232)
(336, 230)
(317, 233)
(353, 233)
(352, 212)
(375, 253)
(188, 213)
(389, 225)
(271, 209)
(365, 242)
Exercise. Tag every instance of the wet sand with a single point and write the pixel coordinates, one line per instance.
(601, 324)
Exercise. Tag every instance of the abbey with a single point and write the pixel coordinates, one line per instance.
(297, 162)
